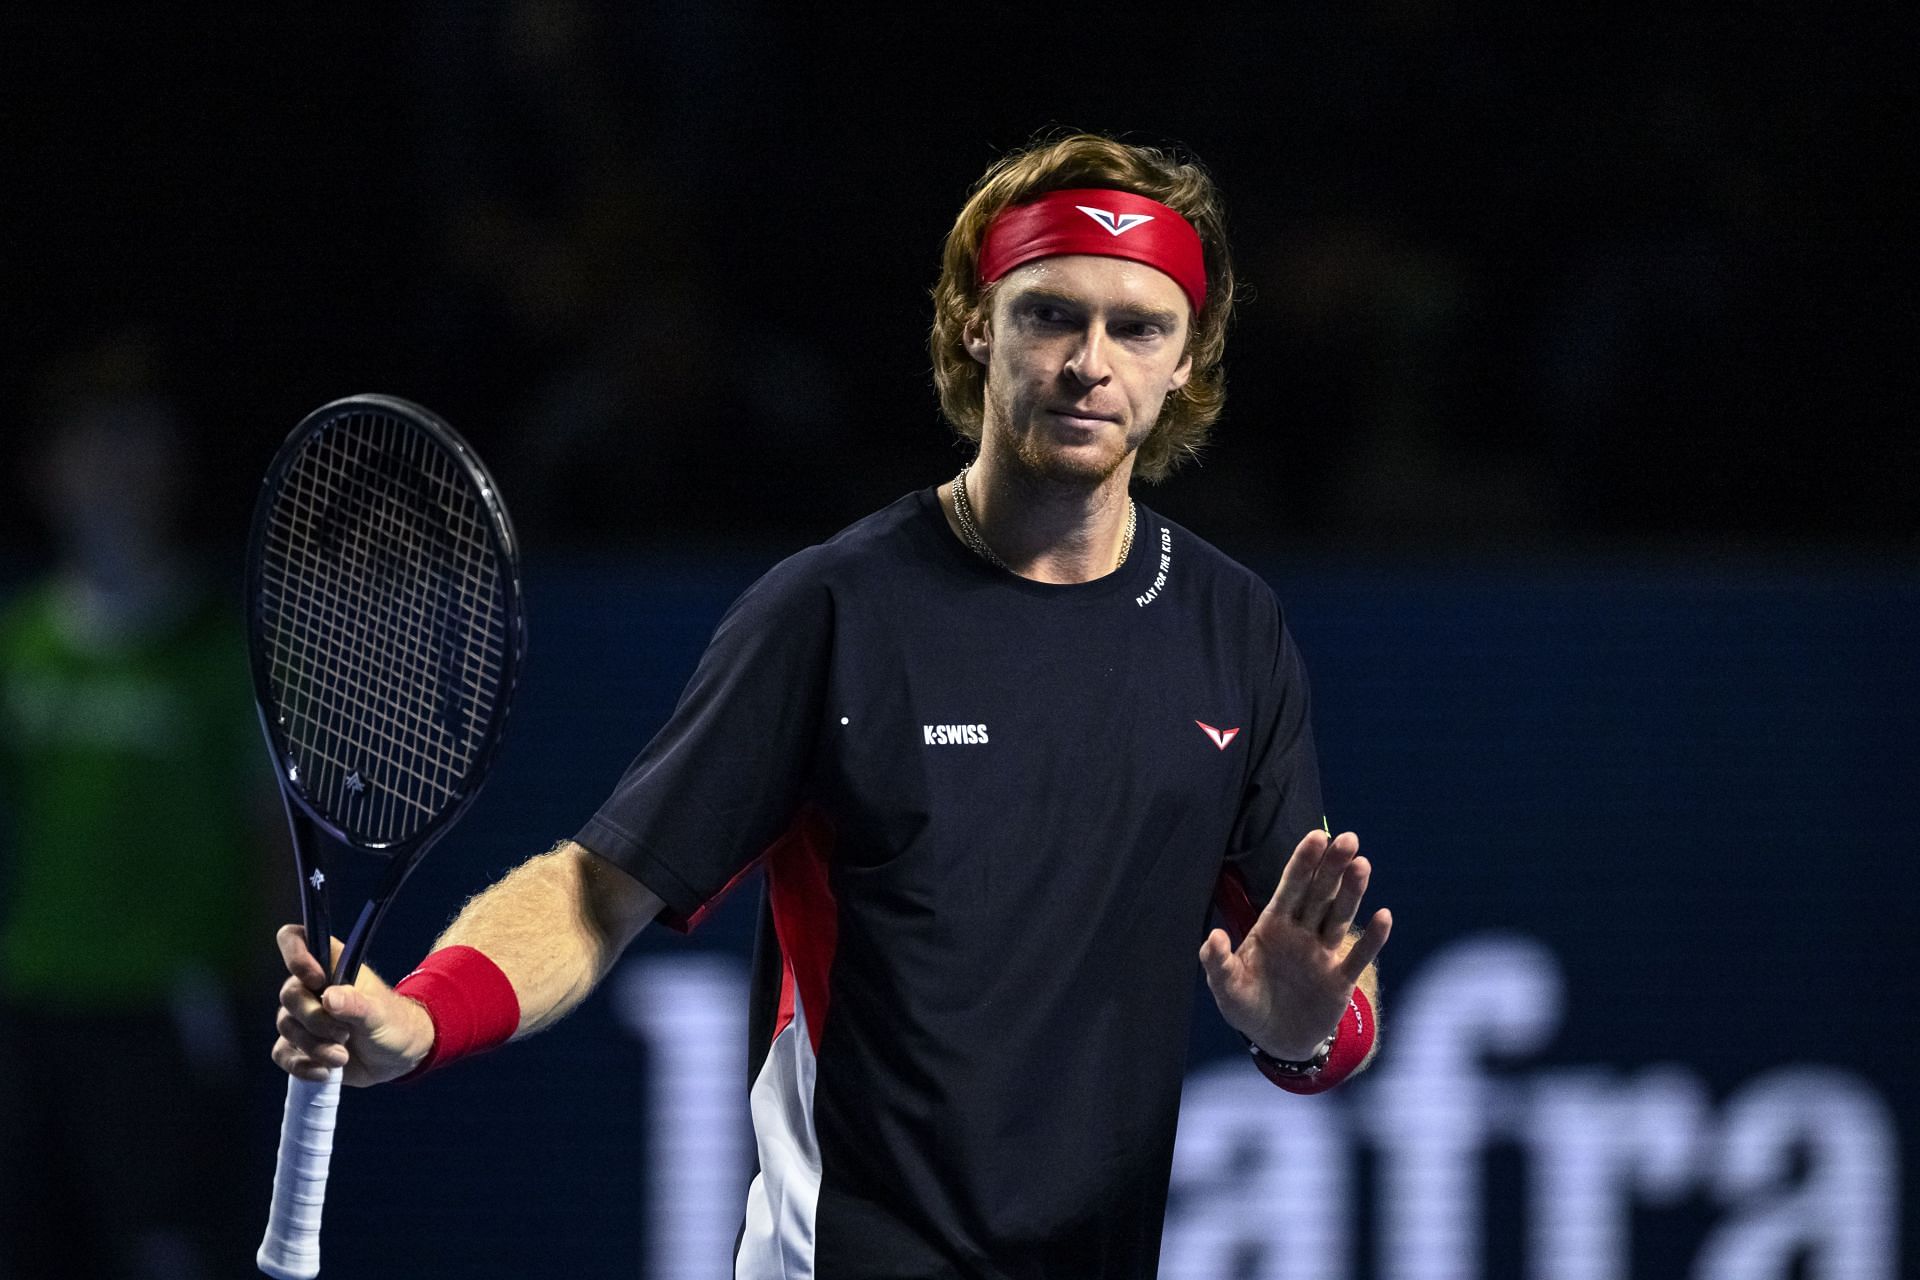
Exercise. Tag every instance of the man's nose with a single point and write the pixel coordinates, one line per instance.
(1089, 361)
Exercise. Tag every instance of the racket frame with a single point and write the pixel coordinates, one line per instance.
(308, 825)
(290, 1249)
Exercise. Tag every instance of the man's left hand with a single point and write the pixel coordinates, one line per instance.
(1288, 983)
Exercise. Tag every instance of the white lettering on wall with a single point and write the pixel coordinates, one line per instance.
(1803, 1161)
(1596, 1146)
(1262, 1182)
(1840, 1213)
(1430, 1107)
(690, 1012)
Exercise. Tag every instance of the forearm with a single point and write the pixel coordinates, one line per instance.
(554, 925)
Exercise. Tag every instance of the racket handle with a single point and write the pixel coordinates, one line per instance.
(291, 1249)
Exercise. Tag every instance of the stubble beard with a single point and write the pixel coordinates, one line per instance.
(1028, 456)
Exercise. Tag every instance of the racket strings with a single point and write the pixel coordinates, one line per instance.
(325, 618)
(381, 590)
(418, 587)
(384, 607)
(398, 589)
(404, 595)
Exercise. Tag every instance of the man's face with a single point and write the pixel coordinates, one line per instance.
(1080, 352)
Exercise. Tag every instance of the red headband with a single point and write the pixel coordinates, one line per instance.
(1106, 223)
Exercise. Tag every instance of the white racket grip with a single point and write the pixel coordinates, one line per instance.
(291, 1249)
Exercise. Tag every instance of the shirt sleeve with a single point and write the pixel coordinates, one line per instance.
(1282, 799)
(725, 775)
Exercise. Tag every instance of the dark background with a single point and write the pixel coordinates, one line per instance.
(1614, 276)
(1569, 414)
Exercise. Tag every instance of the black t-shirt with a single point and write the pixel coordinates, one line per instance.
(994, 813)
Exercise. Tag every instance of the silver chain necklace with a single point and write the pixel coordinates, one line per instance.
(963, 512)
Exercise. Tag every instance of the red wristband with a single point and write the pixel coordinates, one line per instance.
(470, 1001)
(1352, 1041)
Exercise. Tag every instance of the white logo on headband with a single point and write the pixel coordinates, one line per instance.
(1115, 223)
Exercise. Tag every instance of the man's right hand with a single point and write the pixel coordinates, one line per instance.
(366, 1028)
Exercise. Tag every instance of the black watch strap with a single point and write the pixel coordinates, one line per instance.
(1306, 1068)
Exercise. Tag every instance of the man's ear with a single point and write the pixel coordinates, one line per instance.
(1181, 373)
(977, 338)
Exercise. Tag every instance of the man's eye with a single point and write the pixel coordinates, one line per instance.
(1048, 315)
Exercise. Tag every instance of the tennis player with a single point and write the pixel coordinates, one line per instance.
(999, 748)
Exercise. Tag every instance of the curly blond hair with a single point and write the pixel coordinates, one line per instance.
(1088, 160)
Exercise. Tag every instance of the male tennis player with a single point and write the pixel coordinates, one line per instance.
(999, 747)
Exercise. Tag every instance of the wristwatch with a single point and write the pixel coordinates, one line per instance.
(1309, 1067)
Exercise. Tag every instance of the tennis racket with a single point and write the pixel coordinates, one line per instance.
(386, 633)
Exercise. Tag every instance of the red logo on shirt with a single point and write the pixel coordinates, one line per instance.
(1221, 737)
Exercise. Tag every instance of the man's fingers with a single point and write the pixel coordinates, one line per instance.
(292, 941)
(1340, 912)
(351, 1007)
(295, 1063)
(318, 1048)
(1215, 952)
(299, 1007)
(316, 1021)
(1296, 878)
(1368, 945)
(299, 957)
(309, 1012)
(1328, 877)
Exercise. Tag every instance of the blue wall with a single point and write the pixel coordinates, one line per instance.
(1649, 837)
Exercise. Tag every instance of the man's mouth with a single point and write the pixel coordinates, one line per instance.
(1083, 417)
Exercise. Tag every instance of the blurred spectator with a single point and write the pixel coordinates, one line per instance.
(131, 862)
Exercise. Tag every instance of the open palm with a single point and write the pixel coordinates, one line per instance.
(1288, 982)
